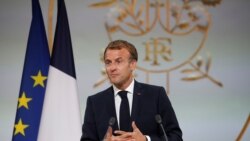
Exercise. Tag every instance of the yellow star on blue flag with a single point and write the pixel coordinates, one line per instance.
(19, 127)
(39, 79)
(23, 101)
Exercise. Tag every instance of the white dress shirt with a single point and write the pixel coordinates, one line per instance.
(130, 90)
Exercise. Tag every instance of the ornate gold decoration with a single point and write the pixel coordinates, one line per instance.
(211, 2)
(244, 129)
(196, 72)
(176, 19)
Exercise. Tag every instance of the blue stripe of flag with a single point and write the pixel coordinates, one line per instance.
(62, 54)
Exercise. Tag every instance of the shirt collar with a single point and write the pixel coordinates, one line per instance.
(129, 89)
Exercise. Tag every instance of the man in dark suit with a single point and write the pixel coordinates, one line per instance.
(142, 103)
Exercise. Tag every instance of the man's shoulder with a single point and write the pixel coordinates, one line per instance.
(149, 88)
(102, 93)
(146, 85)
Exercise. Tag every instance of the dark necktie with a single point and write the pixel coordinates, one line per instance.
(124, 112)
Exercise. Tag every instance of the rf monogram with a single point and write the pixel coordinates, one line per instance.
(158, 47)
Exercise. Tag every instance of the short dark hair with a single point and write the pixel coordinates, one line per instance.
(119, 44)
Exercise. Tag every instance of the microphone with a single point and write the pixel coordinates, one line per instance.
(159, 121)
(109, 130)
(111, 121)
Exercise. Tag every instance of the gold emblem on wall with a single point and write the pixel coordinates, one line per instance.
(163, 26)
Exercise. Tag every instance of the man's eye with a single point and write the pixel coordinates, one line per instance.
(107, 62)
(119, 61)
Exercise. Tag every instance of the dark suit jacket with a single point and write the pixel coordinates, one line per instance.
(148, 101)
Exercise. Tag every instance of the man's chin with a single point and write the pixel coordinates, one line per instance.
(115, 82)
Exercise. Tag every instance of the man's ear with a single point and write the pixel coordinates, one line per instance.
(133, 65)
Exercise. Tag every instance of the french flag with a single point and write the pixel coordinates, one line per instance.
(61, 119)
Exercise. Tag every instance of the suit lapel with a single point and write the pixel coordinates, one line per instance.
(111, 106)
(136, 98)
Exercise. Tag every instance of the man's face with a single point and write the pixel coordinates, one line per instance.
(119, 67)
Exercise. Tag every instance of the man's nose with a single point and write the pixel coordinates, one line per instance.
(113, 66)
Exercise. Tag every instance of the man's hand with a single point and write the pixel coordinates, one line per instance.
(136, 134)
(121, 136)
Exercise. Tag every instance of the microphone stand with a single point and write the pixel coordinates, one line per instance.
(159, 121)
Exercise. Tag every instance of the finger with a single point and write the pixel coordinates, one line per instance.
(119, 132)
(123, 134)
(108, 134)
(127, 135)
(117, 138)
(134, 125)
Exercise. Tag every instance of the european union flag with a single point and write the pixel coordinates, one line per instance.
(33, 83)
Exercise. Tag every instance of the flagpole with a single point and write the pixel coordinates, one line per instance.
(50, 24)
